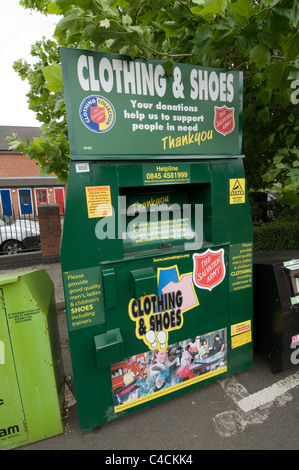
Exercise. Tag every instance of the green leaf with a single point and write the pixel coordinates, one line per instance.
(54, 9)
(71, 22)
(147, 17)
(170, 28)
(211, 9)
(274, 74)
(67, 4)
(179, 12)
(278, 21)
(290, 198)
(60, 104)
(120, 3)
(243, 8)
(294, 15)
(292, 47)
(169, 66)
(264, 95)
(104, 23)
(260, 54)
(14, 144)
(53, 77)
(264, 114)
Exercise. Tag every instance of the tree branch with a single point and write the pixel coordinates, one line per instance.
(268, 11)
(171, 56)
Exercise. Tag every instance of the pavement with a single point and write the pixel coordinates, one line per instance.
(252, 410)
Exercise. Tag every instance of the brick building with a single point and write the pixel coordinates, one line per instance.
(22, 188)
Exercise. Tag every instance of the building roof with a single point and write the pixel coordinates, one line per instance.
(22, 132)
(29, 181)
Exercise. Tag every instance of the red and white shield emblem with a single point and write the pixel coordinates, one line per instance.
(97, 114)
(224, 120)
(208, 269)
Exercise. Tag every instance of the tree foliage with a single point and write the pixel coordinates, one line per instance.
(258, 37)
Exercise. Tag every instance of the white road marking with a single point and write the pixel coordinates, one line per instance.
(268, 394)
(254, 408)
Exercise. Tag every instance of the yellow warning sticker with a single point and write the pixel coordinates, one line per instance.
(240, 327)
(98, 200)
(237, 190)
(241, 339)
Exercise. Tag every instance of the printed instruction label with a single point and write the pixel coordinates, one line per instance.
(23, 316)
(240, 327)
(83, 297)
(237, 190)
(98, 200)
(240, 262)
(240, 340)
(241, 333)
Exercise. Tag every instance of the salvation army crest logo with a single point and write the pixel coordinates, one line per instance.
(97, 114)
(224, 120)
(208, 269)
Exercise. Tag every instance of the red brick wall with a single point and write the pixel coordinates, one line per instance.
(50, 232)
(18, 165)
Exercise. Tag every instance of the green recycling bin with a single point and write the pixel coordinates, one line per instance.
(156, 251)
(31, 368)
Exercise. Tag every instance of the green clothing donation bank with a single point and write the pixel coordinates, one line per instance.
(31, 367)
(157, 242)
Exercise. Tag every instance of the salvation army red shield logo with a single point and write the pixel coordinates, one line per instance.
(224, 120)
(208, 269)
(97, 114)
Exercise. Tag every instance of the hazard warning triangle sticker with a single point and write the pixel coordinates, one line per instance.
(237, 190)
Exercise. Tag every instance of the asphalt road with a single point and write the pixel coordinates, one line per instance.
(252, 410)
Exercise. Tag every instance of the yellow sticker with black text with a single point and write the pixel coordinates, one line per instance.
(98, 200)
(237, 190)
(240, 340)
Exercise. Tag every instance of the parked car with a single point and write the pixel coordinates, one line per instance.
(17, 235)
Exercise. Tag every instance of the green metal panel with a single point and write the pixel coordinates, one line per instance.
(157, 242)
(32, 366)
(112, 115)
(115, 278)
(12, 417)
